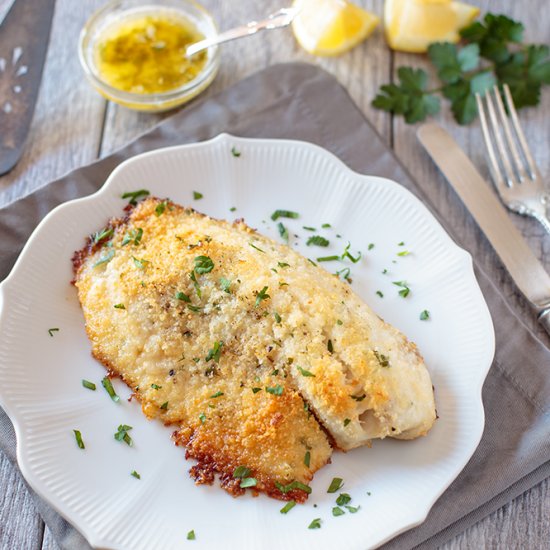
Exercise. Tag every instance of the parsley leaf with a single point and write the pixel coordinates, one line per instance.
(262, 295)
(317, 240)
(135, 195)
(284, 214)
(203, 264)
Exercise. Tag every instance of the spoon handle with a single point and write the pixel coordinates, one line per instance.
(276, 20)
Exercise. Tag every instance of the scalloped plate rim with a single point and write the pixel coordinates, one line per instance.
(94, 537)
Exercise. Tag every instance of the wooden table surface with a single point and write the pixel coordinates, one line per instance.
(73, 125)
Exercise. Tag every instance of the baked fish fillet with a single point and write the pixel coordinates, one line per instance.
(252, 352)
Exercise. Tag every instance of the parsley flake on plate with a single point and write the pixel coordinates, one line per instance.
(284, 214)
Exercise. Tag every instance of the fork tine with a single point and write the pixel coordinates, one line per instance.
(509, 174)
(518, 162)
(519, 132)
(493, 163)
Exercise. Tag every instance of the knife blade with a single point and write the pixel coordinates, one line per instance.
(528, 273)
(24, 36)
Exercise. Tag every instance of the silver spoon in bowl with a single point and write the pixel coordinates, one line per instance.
(277, 20)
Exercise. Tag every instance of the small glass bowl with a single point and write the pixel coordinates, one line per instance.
(117, 10)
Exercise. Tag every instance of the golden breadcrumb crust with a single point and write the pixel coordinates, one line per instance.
(225, 334)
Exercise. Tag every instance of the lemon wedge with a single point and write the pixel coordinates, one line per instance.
(412, 25)
(331, 27)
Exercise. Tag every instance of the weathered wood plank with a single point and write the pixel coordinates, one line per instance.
(20, 525)
(361, 71)
(68, 118)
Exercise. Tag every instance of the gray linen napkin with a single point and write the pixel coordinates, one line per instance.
(300, 101)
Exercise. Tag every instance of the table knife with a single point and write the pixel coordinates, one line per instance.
(489, 213)
(24, 36)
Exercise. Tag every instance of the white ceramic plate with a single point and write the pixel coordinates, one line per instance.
(394, 482)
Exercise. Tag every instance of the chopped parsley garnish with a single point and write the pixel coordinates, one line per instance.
(191, 535)
(380, 293)
(425, 315)
(262, 295)
(183, 297)
(217, 394)
(277, 317)
(330, 347)
(405, 290)
(135, 195)
(317, 240)
(140, 264)
(106, 258)
(256, 390)
(202, 418)
(203, 264)
(311, 262)
(195, 309)
(161, 207)
(108, 385)
(353, 509)
(156, 386)
(403, 253)
(287, 507)
(336, 484)
(344, 274)
(339, 322)
(248, 482)
(164, 406)
(275, 390)
(371, 246)
(102, 235)
(195, 284)
(307, 458)
(215, 352)
(235, 153)
(384, 272)
(135, 474)
(78, 437)
(225, 285)
(284, 214)
(283, 232)
(122, 434)
(337, 511)
(232, 209)
(344, 498)
(358, 398)
(309, 228)
(241, 471)
(293, 485)
(88, 385)
(119, 306)
(305, 372)
(197, 196)
(346, 422)
(326, 226)
(328, 258)
(347, 254)
(382, 359)
(283, 264)
(256, 248)
(133, 236)
(315, 524)
(52, 330)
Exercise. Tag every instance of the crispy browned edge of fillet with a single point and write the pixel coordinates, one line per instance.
(207, 467)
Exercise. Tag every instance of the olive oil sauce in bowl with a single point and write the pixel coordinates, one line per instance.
(133, 52)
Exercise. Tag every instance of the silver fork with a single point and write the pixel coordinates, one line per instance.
(515, 174)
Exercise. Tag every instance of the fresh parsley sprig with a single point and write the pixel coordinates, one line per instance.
(492, 52)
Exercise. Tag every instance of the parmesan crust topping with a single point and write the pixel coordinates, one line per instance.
(255, 355)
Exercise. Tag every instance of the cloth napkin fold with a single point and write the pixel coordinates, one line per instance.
(299, 101)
